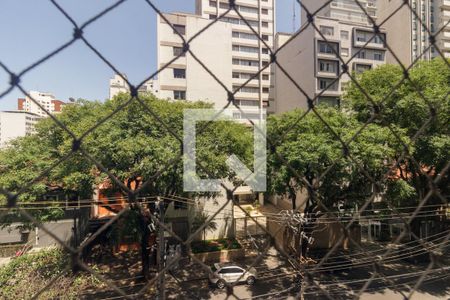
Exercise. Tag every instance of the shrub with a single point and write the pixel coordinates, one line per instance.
(215, 245)
(26, 275)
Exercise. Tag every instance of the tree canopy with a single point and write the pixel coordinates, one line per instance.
(131, 144)
(420, 106)
(310, 155)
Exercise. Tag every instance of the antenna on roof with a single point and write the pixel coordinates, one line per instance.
(294, 16)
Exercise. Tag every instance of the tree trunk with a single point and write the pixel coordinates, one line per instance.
(293, 195)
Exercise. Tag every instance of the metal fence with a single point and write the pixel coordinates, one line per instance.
(311, 285)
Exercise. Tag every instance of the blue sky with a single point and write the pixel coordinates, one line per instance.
(126, 36)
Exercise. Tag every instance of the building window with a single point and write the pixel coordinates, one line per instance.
(179, 95)
(245, 62)
(359, 68)
(378, 39)
(265, 24)
(246, 89)
(245, 49)
(378, 56)
(244, 35)
(344, 51)
(361, 36)
(179, 73)
(327, 30)
(265, 51)
(361, 54)
(213, 3)
(327, 84)
(265, 37)
(224, 5)
(264, 11)
(328, 66)
(181, 29)
(344, 34)
(265, 76)
(212, 17)
(247, 102)
(328, 101)
(265, 90)
(247, 9)
(328, 48)
(178, 51)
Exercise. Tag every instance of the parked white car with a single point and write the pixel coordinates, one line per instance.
(230, 273)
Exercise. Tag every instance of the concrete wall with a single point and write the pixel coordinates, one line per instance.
(38, 237)
(15, 124)
(297, 59)
(223, 220)
(399, 32)
(208, 206)
(215, 52)
(210, 47)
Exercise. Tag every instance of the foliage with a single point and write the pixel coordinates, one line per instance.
(310, 154)
(24, 276)
(215, 245)
(406, 109)
(131, 143)
(200, 219)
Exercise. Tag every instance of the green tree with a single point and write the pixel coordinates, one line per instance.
(130, 142)
(307, 156)
(418, 103)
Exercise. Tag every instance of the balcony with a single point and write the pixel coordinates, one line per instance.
(360, 38)
(445, 4)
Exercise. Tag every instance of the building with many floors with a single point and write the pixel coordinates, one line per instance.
(14, 124)
(344, 10)
(185, 78)
(46, 100)
(312, 61)
(229, 48)
(118, 85)
(407, 33)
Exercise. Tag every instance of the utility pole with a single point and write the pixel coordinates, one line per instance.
(161, 252)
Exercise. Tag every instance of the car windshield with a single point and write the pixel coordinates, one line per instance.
(215, 267)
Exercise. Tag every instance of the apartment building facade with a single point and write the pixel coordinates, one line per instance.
(46, 100)
(14, 124)
(229, 48)
(344, 10)
(407, 33)
(118, 85)
(249, 53)
(185, 78)
(313, 62)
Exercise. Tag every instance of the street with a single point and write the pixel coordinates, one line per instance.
(275, 281)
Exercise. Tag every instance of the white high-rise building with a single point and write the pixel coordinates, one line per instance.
(14, 124)
(407, 36)
(46, 100)
(185, 78)
(229, 48)
(118, 85)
